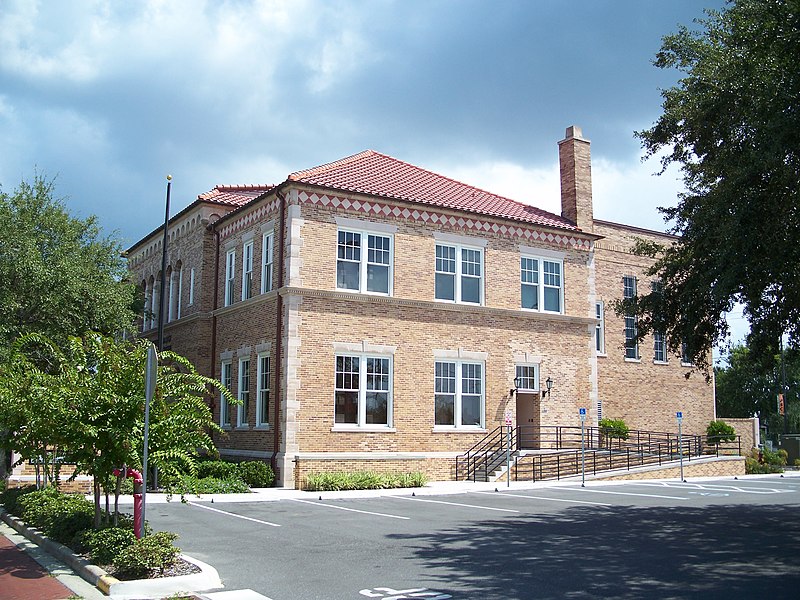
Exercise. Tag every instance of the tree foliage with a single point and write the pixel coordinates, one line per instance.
(733, 125)
(58, 276)
(747, 385)
(84, 403)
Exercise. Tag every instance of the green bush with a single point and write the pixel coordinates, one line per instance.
(718, 432)
(614, 428)
(10, 498)
(104, 545)
(150, 555)
(60, 516)
(362, 480)
(210, 485)
(256, 474)
(765, 461)
(218, 469)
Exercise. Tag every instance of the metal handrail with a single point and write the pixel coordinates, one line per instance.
(638, 449)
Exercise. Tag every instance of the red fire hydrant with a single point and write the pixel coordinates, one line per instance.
(137, 498)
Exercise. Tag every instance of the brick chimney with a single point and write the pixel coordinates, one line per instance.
(575, 163)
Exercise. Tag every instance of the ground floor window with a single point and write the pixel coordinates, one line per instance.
(224, 407)
(363, 391)
(262, 400)
(459, 397)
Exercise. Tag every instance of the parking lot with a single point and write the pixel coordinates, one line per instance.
(715, 539)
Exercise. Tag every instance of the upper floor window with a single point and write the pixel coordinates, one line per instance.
(527, 378)
(363, 269)
(191, 287)
(686, 359)
(600, 328)
(459, 396)
(459, 274)
(631, 328)
(363, 391)
(247, 270)
(659, 347)
(542, 284)
(230, 266)
(267, 243)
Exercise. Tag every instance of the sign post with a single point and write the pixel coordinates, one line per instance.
(151, 374)
(679, 416)
(582, 414)
(508, 448)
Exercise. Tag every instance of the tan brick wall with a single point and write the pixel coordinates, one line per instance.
(718, 467)
(747, 429)
(645, 394)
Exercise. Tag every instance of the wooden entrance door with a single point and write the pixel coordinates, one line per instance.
(528, 420)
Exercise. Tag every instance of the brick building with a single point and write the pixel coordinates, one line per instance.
(372, 314)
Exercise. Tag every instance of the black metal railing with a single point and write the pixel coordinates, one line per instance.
(562, 456)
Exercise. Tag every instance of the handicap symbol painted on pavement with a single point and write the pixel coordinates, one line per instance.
(386, 593)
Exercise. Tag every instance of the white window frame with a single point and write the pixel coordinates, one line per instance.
(659, 347)
(522, 372)
(459, 275)
(458, 394)
(267, 262)
(180, 292)
(156, 303)
(226, 378)
(243, 393)
(630, 324)
(230, 273)
(542, 281)
(247, 270)
(147, 302)
(364, 263)
(600, 328)
(171, 298)
(361, 424)
(263, 388)
(191, 287)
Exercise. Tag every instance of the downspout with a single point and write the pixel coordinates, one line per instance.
(279, 332)
(214, 309)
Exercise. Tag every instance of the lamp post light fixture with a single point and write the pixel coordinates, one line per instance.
(549, 384)
(513, 390)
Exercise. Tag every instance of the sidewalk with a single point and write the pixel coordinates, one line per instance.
(29, 573)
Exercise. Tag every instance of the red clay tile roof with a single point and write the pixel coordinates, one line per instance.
(234, 195)
(376, 174)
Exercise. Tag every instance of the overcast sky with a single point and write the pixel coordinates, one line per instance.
(109, 97)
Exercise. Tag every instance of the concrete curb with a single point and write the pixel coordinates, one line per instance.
(207, 579)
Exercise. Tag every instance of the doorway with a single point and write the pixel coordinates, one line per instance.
(528, 420)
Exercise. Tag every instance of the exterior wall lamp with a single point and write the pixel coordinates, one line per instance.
(513, 390)
(549, 384)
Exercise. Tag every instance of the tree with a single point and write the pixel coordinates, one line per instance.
(58, 276)
(85, 403)
(747, 385)
(733, 125)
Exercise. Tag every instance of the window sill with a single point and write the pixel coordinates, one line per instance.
(660, 362)
(243, 428)
(445, 301)
(365, 292)
(262, 427)
(633, 360)
(601, 355)
(362, 429)
(448, 429)
(225, 427)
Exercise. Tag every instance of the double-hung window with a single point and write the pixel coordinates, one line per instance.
(659, 347)
(262, 401)
(230, 273)
(459, 394)
(631, 328)
(363, 262)
(224, 406)
(363, 396)
(542, 284)
(600, 328)
(244, 392)
(247, 270)
(459, 274)
(267, 243)
(527, 378)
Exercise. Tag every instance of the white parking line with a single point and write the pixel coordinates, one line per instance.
(717, 487)
(630, 494)
(545, 498)
(364, 512)
(457, 504)
(230, 514)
